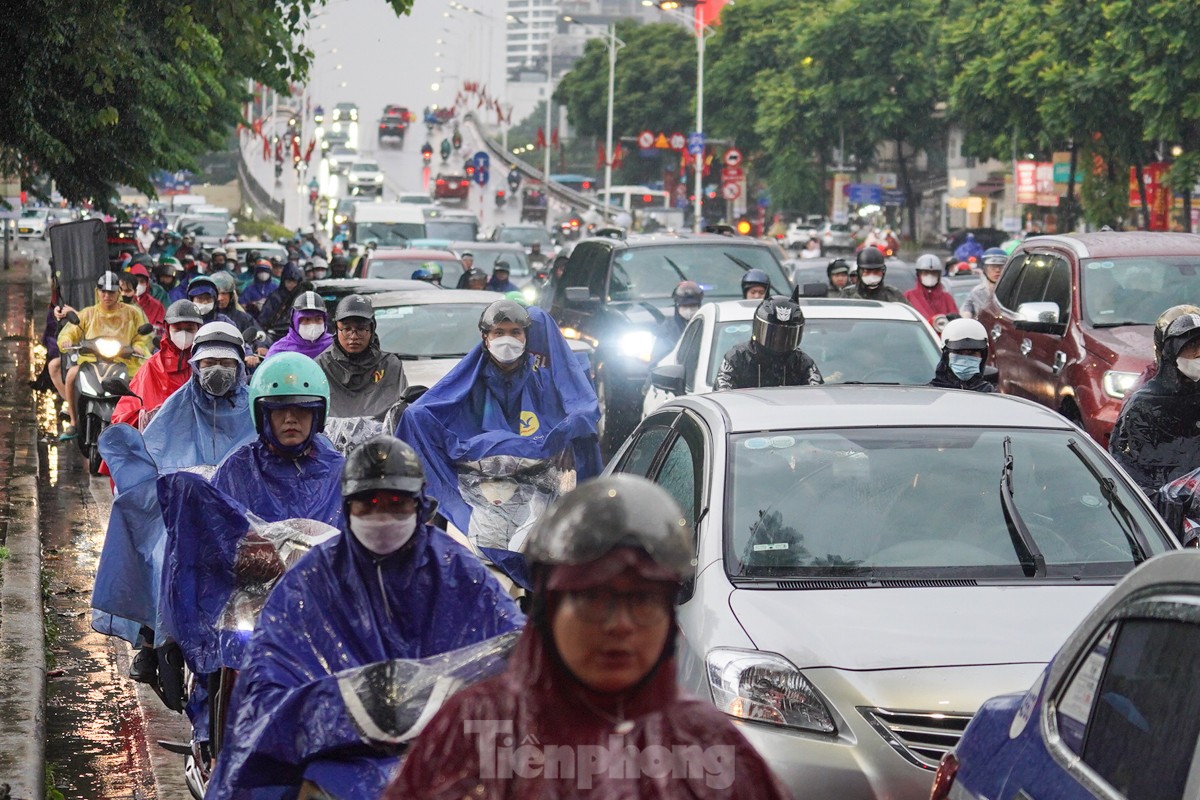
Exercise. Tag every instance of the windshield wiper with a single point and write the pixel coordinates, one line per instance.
(744, 265)
(675, 267)
(1120, 324)
(1030, 555)
(1139, 548)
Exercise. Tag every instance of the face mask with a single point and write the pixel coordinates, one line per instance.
(928, 280)
(128, 298)
(311, 332)
(1190, 367)
(182, 339)
(141, 289)
(262, 277)
(871, 280)
(383, 534)
(204, 308)
(318, 274)
(217, 380)
(965, 367)
(506, 349)
(687, 312)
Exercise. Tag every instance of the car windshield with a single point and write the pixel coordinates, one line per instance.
(33, 213)
(649, 273)
(208, 227)
(341, 152)
(434, 330)
(851, 350)
(1136, 289)
(926, 502)
(389, 234)
(404, 268)
(526, 237)
(365, 166)
(452, 229)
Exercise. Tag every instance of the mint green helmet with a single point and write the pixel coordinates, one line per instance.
(289, 379)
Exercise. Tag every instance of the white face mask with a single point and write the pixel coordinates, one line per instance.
(141, 289)
(312, 331)
(929, 280)
(204, 308)
(687, 312)
(182, 339)
(506, 349)
(383, 534)
(871, 280)
(1190, 367)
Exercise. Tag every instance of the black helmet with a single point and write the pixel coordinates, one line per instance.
(688, 293)
(183, 311)
(473, 272)
(309, 301)
(1165, 319)
(778, 324)
(382, 462)
(837, 266)
(252, 257)
(609, 512)
(108, 282)
(1179, 333)
(355, 305)
(870, 258)
(503, 311)
(755, 277)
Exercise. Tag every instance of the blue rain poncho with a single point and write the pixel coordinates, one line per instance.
(193, 427)
(543, 411)
(276, 488)
(339, 610)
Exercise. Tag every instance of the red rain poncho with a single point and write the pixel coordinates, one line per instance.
(159, 377)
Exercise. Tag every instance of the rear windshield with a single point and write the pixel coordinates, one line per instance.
(652, 273)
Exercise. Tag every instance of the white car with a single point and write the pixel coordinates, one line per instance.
(33, 222)
(236, 251)
(852, 341)
(836, 236)
(340, 158)
(801, 230)
(365, 177)
(874, 562)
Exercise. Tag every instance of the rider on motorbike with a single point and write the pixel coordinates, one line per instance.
(427, 152)
(110, 319)
(364, 381)
(308, 332)
(166, 370)
(929, 297)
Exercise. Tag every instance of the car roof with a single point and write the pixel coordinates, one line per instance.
(821, 308)
(860, 406)
(345, 286)
(487, 247)
(679, 237)
(420, 298)
(1101, 244)
(410, 254)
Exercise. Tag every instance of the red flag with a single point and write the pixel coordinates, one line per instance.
(554, 137)
(707, 164)
(618, 155)
(279, 149)
(308, 153)
(480, 103)
(295, 148)
(258, 126)
(266, 149)
(541, 138)
(599, 155)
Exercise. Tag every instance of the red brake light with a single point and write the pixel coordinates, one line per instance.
(944, 779)
(587, 184)
(464, 183)
(441, 182)
(646, 198)
(574, 223)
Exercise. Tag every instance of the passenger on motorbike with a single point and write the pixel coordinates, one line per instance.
(308, 332)
(110, 319)
(166, 370)
(364, 381)
(154, 311)
(929, 297)
(608, 561)
(389, 587)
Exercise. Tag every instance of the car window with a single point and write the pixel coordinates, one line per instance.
(403, 268)
(689, 353)
(587, 267)
(1034, 278)
(435, 330)
(1124, 709)
(681, 467)
(640, 457)
(649, 273)
(1006, 287)
(1134, 290)
(1058, 288)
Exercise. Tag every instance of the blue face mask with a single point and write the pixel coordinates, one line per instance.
(965, 367)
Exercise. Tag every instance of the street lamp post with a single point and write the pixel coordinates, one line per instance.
(613, 44)
(549, 98)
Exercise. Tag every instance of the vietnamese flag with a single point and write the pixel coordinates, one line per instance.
(541, 138)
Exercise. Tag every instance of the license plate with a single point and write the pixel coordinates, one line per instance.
(25, 230)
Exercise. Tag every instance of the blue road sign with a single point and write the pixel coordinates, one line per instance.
(695, 143)
(481, 160)
(481, 175)
(864, 193)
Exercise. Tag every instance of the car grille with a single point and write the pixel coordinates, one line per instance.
(921, 737)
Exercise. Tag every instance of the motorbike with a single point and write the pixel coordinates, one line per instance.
(427, 155)
(98, 386)
(445, 150)
(501, 199)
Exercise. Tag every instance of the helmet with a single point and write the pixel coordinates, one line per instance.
(262, 265)
(504, 310)
(501, 265)
(309, 301)
(1166, 318)
(164, 269)
(929, 263)
(870, 258)
(355, 305)
(183, 311)
(778, 324)
(219, 339)
(837, 266)
(688, 293)
(339, 262)
(755, 277)
(253, 257)
(994, 255)
(224, 282)
(382, 462)
(172, 262)
(610, 512)
(964, 334)
(1180, 332)
(108, 282)
(474, 273)
(287, 379)
(217, 251)
(422, 274)
(435, 269)
(202, 284)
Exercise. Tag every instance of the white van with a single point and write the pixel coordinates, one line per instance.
(644, 203)
(386, 224)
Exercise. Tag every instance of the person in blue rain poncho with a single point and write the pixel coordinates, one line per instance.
(196, 427)
(389, 587)
(519, 395)
(308, 332)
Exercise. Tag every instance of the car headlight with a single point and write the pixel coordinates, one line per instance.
(354, 116)
(337, 127)
(530, 293)
(377, 178)
(638, 344)
(1118, 384)
(764, 687)
(339, 218)
(108, 348)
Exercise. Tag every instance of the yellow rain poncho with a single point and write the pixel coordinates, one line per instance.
(121, 324)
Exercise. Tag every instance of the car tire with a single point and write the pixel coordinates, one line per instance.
(615, 424)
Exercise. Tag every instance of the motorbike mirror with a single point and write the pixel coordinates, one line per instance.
(72, 318)
(253, 335)
(144, 330)
(117, 388)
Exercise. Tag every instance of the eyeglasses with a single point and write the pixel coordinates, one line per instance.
(360, 330)
(598, 606)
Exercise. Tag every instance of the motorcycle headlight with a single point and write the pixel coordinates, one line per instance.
(531, 293)
(638, 344)
(108, 348)
(1118, 384)
(764, 687)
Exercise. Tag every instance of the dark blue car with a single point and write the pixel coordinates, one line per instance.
(1115, 715)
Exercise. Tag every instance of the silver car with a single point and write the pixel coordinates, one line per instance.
(875, 562)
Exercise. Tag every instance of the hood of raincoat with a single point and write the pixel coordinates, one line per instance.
(192, 427)
(362, 384)
(293, 342)
(338, 610)
(276, 488)
(536, 700)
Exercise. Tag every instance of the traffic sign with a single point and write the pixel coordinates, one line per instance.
(481, 160)
(731, 191)
(695, 143)
(678, 141)
(645, 140)
(733, 157)
(732, 174)
(481, 176)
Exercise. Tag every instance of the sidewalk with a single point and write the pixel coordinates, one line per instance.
(22, 643)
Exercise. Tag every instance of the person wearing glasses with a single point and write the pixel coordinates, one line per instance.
(364, 381)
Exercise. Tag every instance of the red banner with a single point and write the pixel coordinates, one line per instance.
(1026, 182)
(1158, 196)
(1046, 194)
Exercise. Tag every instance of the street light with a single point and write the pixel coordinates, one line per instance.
(614, 44)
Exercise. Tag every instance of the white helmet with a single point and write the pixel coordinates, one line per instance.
(964, 334)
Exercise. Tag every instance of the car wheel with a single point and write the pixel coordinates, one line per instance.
(614, 425)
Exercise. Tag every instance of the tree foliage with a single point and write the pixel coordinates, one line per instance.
(100, 93)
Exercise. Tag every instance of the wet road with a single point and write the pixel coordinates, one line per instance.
(102, 728)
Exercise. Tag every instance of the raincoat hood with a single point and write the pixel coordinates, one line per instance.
(293, 342)
(192, 427)
(362, 384)
(159, 377)
(275, 488)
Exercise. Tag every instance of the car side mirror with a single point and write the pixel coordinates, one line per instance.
(117, 388)
(814, 290)
(577, 295)
(1039, 318)
(668, 378)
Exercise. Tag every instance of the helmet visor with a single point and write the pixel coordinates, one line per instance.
(775, 337)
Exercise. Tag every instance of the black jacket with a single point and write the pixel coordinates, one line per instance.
(882, 292)
(749, 366)
(944, 378)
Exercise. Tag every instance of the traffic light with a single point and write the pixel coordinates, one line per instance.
(744, 227)
(470, 170)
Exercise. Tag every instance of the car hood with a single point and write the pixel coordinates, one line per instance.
(866, 629)
(427, 371)
(1128, 343)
